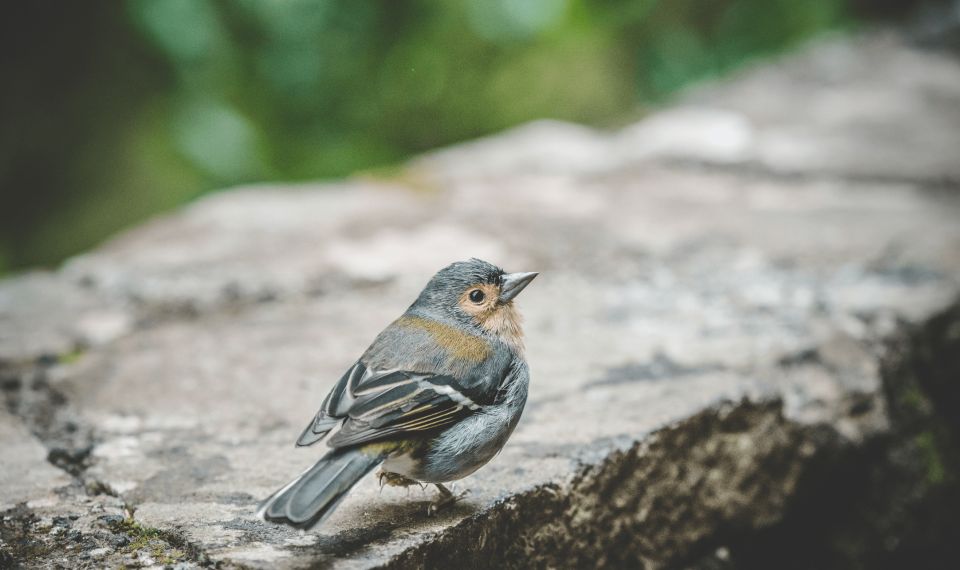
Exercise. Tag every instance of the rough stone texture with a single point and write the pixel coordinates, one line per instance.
(44, 316)
(26, 474)
(720, 283)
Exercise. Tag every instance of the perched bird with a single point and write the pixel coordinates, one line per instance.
(433, 399)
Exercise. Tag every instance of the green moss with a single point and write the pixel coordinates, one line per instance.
(171, 556)
(70, 357)
(140, 536)
(912, 399)
(144, 538)
(927, 444)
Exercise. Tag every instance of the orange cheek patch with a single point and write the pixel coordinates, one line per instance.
(490, 294)
(502, 320)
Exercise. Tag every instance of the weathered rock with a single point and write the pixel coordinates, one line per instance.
(719, 284)
(26, 476)
(860, 109)
(43, 315)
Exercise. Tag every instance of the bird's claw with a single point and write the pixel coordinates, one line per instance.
(447, 498)
(387, 478)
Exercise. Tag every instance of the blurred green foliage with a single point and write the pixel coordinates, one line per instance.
(120, 110)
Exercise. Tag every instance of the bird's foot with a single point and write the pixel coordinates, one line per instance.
(447, 498)
(395, 480)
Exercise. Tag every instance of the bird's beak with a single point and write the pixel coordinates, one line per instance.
(513, 283)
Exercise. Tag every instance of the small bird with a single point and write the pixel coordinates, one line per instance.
(432, 400)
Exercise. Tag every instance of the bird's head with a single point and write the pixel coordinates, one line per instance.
(475, 293)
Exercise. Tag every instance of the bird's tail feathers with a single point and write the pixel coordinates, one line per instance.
(307, 500)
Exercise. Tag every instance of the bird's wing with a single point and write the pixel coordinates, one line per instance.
(374, 405)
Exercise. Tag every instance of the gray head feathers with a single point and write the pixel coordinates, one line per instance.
(439, 298)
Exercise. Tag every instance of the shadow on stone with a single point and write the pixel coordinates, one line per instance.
(891, 503)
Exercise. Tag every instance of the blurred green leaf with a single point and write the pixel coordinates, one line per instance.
(188, 31)
(218, 140)
(505, 20)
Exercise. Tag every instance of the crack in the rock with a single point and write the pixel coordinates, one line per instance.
(47, 414)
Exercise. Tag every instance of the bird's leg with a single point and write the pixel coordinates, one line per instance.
(447, 498)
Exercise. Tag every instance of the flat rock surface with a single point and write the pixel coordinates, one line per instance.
(701, 256)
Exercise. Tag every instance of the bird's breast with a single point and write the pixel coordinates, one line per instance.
(457, 343)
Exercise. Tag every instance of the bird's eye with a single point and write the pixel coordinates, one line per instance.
(477, 296)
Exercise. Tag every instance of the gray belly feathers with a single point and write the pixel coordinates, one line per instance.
(470, 444)
(460, 450)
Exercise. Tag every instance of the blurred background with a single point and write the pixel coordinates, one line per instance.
(113, 111)
(799, 270)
